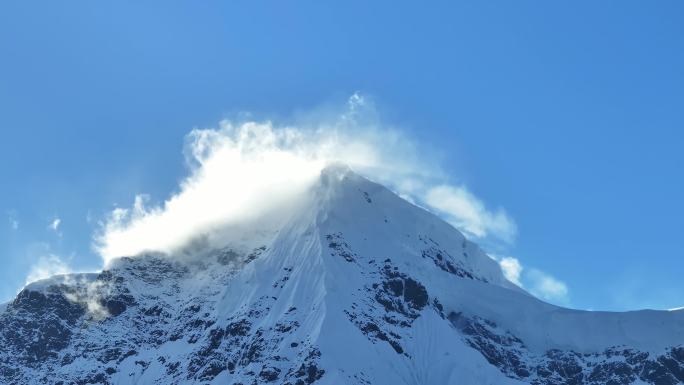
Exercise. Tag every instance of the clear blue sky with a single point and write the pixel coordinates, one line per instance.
(567, 114)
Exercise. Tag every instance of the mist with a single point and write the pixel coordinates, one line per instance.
(244, 171)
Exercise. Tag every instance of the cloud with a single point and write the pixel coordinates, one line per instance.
(242, 170)
(540, 284)
(80, 289)
(46, 267)
(547, 287)
(12, 219)
(511, 268)
(54, 226)
(465, 211)
(239, 173)
(89, 294)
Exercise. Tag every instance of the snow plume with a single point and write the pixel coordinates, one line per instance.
(239, 172)
(89, 294)
(79, 288)
(243, 170)
(547, 287)
(47, 266)
(511, 268)
(465, 211)
(540, 284)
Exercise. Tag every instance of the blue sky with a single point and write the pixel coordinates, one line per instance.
(568, 115)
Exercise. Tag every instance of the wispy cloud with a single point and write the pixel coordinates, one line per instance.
(547, 287)
(89, 294)
(537, 282)
(243, 169)
(85, 291)
(46, 266)
(54, 225)
(13, 221)
(467, 212)
(512, 269)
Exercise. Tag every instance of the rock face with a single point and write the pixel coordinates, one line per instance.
(361, 287)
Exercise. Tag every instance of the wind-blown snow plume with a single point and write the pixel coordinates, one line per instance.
(511, 269)
(465, 211)
(47, 266)
(539, 283)
(242, 171)
(547, 287)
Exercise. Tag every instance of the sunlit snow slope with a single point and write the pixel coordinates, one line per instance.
(356, 287)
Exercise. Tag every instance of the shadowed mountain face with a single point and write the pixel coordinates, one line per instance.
(358, 287)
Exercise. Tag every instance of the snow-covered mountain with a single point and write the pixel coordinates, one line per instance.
(358, 286)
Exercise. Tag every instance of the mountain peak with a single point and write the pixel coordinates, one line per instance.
(354, 285)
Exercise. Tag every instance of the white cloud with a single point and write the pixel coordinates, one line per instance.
(512, 269)
(89, 294)
(465, 211)
(46, 267)
(540, 284)
(54, 226)
(546, 286)
(242, 170)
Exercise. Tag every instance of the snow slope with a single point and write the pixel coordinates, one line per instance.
(354, 286)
